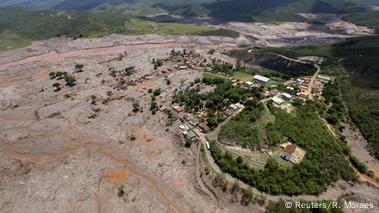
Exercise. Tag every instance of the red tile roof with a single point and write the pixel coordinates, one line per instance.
(290, 149)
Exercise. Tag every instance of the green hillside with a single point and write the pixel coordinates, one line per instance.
(355, 62)
(229, 10)
(20, 26)
(247, 10)
(368, 19)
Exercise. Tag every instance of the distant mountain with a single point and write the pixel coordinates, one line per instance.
(91, 4)
(229, 10)
(245, 10)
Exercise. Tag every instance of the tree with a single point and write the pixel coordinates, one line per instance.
(157, 92)
(57, 86)
(52, 75)
(79, 67)
(136, 107)
(60, 75)
(70, 80)
(188, 143)
(93, 99)
(235, 188)
(247, 196)
(211, 51)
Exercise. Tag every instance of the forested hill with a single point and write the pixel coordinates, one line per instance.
(245, 10)
(221, 9)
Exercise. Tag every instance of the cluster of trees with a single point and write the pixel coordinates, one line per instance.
(157, 63)
(128, 71)
(361, 166)
(215, 102)
(154, 105)
(241, 129)
(217, 66)
(324, 162)
(70, 79)
(336, 111)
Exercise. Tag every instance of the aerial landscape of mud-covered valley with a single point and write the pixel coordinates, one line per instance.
(198, 106)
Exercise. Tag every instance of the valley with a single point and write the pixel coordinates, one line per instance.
(188, 106)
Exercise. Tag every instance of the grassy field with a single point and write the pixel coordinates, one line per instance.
(12, 41)
(137, 27)
(242, 76)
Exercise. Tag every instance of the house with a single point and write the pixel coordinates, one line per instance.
(189, 134)
(260, 79)
(274, 92)
(304, 91)
(163, 109)
(184, 127)
(277, 100)
(191, 119)
(231, 109)
(239, 106)
(287, 96)
(290, 88)
(324, 78)
(248, 83)
(182, 67)
(288, 151)
(178, 108)
(292, 153)
(204, 127)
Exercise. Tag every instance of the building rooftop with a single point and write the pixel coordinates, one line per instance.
(277, 100)
(290, 149)
(261, 78)
(286, 95)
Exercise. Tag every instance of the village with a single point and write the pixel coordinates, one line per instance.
(280, 93)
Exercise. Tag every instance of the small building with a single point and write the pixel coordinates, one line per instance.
(184, 127)
(277, 100)
(261, 79)
(274, 92)
(324, 78)
(189, 135)
(292, 153)
(163, 109)
(191, 119)
(290, 88)
(316, 86)
(304, 91)
(239, 106)
(204, 127)
(287, 96)
(248, 83)
(178, 108)
(182, 67)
